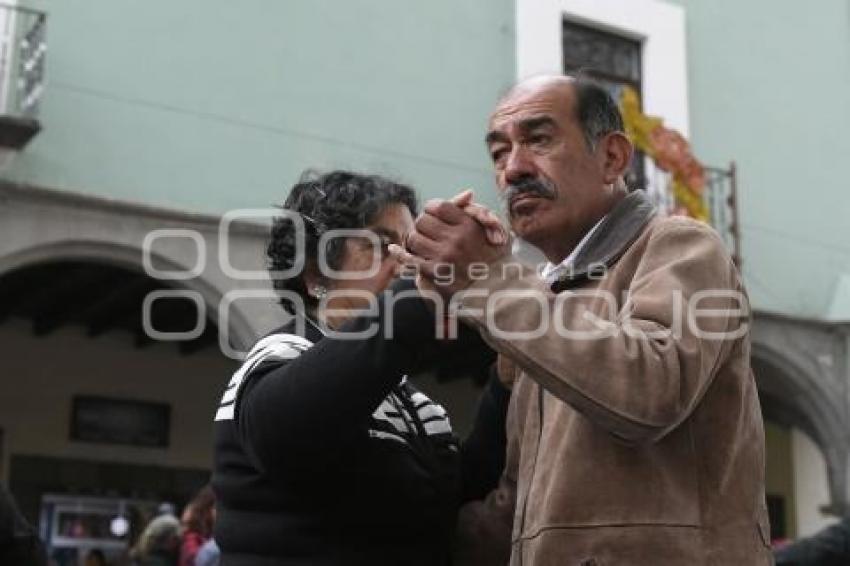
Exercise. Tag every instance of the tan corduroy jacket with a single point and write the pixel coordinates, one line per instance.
(634, 432)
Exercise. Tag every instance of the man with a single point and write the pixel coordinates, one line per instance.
(634, 431)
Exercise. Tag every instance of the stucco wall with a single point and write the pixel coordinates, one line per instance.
(209, 108)
(768, 85)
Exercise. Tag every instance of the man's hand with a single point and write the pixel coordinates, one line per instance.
(497, 235)
(449, 237)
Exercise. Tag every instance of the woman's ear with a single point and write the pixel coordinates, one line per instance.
(616, 151)
(314, 281)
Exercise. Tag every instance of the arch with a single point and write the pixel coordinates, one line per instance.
(128, 257)
(793, 397)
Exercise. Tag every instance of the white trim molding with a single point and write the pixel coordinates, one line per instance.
(659, 25)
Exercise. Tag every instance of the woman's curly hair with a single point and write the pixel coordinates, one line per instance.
(329, 201)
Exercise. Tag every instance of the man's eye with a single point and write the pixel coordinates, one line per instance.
(539, 139)
(498, 154)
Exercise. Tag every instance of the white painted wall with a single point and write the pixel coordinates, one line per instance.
(8, 19)
(811, 491)
(38, 377)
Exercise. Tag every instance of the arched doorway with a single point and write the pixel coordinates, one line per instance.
(806, 456)
(93, 407)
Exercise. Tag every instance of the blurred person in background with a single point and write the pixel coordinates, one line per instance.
(159, 543)
(828, 547)
(209, 554)
(197, 524)
(325, 453)
(166, 508)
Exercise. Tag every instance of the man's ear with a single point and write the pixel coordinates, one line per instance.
(616, 151)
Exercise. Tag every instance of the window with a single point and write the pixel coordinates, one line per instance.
(120, 421)
(612, 60)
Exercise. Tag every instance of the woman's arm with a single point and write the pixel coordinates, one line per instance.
(483, 451)
(484, 525)
(315, 400)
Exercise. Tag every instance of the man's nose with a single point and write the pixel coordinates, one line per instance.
(520, 164)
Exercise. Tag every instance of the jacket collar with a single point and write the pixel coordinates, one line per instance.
(610, 240)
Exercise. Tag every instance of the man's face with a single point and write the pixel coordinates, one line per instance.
(551, 182)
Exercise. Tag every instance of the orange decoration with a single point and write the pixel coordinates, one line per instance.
(670, 151)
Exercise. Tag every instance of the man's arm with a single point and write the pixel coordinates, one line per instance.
(646, 374)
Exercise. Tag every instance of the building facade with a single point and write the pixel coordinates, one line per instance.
(162, 123)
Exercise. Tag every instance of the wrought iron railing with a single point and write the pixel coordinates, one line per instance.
(720, 194)
(23, 51)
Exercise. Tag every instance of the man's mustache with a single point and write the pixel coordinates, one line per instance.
(528, 186)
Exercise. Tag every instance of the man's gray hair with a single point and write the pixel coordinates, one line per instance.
(596, 111)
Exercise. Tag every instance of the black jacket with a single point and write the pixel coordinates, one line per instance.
(828, 547)
(326, 454)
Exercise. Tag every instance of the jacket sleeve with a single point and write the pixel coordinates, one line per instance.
(309, 401)
(483, 450)
(635, 365)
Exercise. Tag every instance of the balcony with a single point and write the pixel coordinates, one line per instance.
(23, 50)
(719, 197)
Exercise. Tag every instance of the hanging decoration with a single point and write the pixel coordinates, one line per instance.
(671, 152)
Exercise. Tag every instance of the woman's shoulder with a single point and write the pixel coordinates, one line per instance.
(297, 335)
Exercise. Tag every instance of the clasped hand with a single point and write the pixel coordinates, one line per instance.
(452, 240)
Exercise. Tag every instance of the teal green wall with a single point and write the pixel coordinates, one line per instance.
(208, 106)
(769, 86)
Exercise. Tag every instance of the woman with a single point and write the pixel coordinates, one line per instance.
(325, 453)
